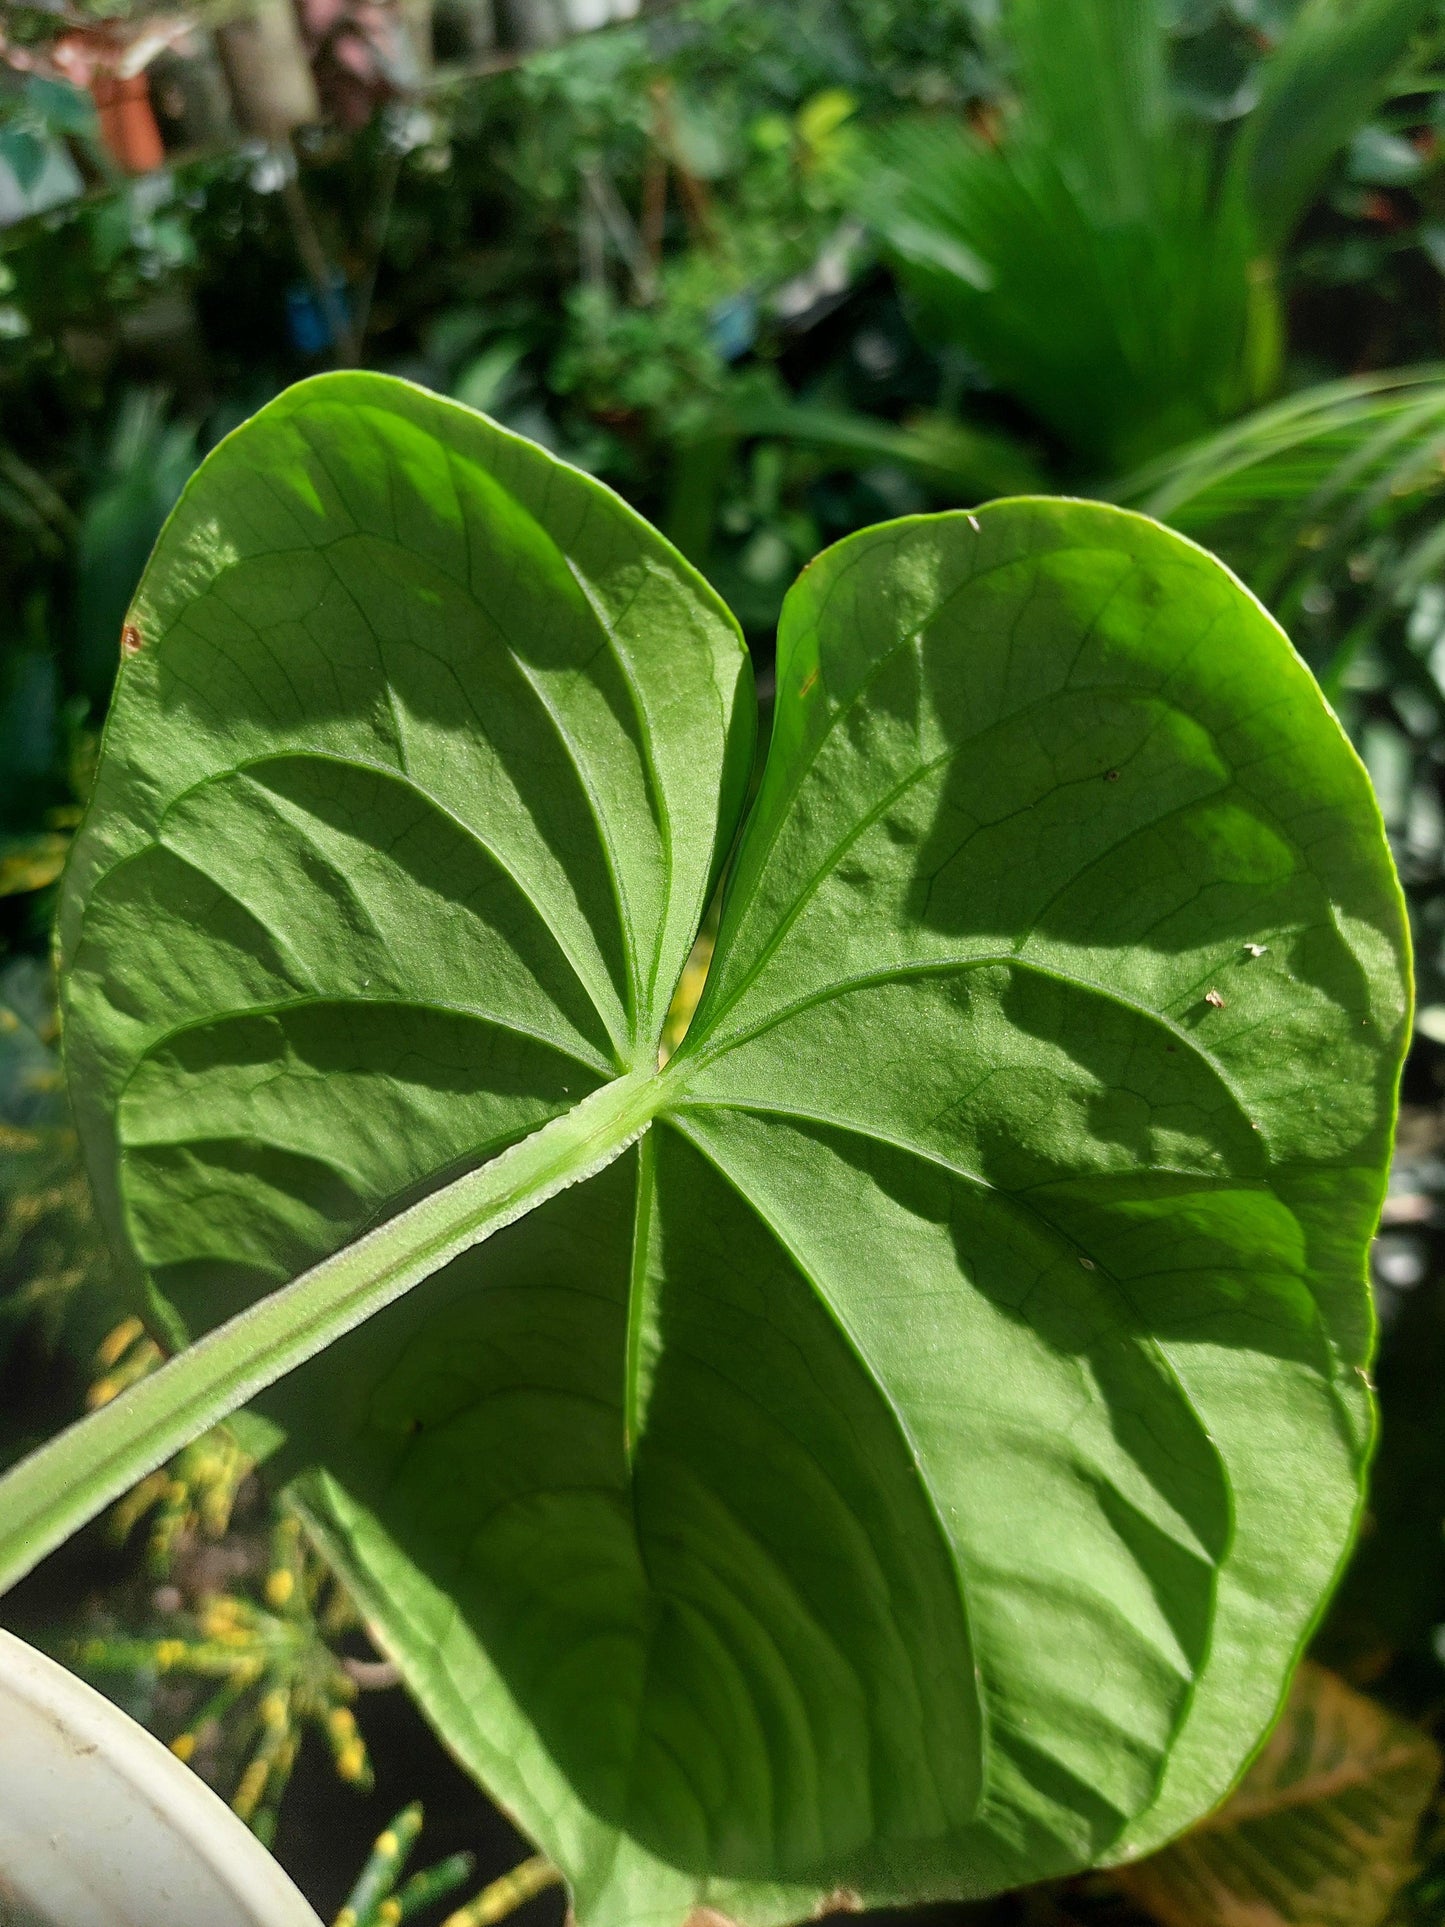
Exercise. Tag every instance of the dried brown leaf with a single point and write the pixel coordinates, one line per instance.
(1320, 1832)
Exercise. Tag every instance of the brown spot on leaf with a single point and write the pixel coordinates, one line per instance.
(129, 641)
(807, 682)
(1111, 776)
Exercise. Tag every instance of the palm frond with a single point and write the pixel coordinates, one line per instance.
(1325, 78)
(954, 458)
(1106, 256)
(1093, 79)
(1330, 504)
(1085, 258)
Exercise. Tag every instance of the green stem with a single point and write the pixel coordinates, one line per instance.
(57, 1489)
(506, 1895)
(382, 1870)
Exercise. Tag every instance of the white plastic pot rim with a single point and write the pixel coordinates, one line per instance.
(100, 1826)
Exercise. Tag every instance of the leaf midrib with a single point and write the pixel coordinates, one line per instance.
(1017, 1200)
(676, 1116)
(704, 1056)
(627, 929)
(677, 1119)
(784, 924)
(913, 640)
(626, 924)
(403, 779)
(645, 1016)
(782, 810)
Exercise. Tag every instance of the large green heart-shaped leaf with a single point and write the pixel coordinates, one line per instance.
(912, 1465)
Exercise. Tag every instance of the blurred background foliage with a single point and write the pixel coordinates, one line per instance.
(775, 269)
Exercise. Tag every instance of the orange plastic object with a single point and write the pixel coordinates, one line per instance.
(127, 121)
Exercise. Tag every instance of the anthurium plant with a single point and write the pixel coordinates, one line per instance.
(894, 1446)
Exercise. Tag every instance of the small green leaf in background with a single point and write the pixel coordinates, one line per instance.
(1321, 1831)
(902, 1449)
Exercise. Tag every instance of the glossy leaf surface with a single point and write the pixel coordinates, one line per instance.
(885, 1477)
